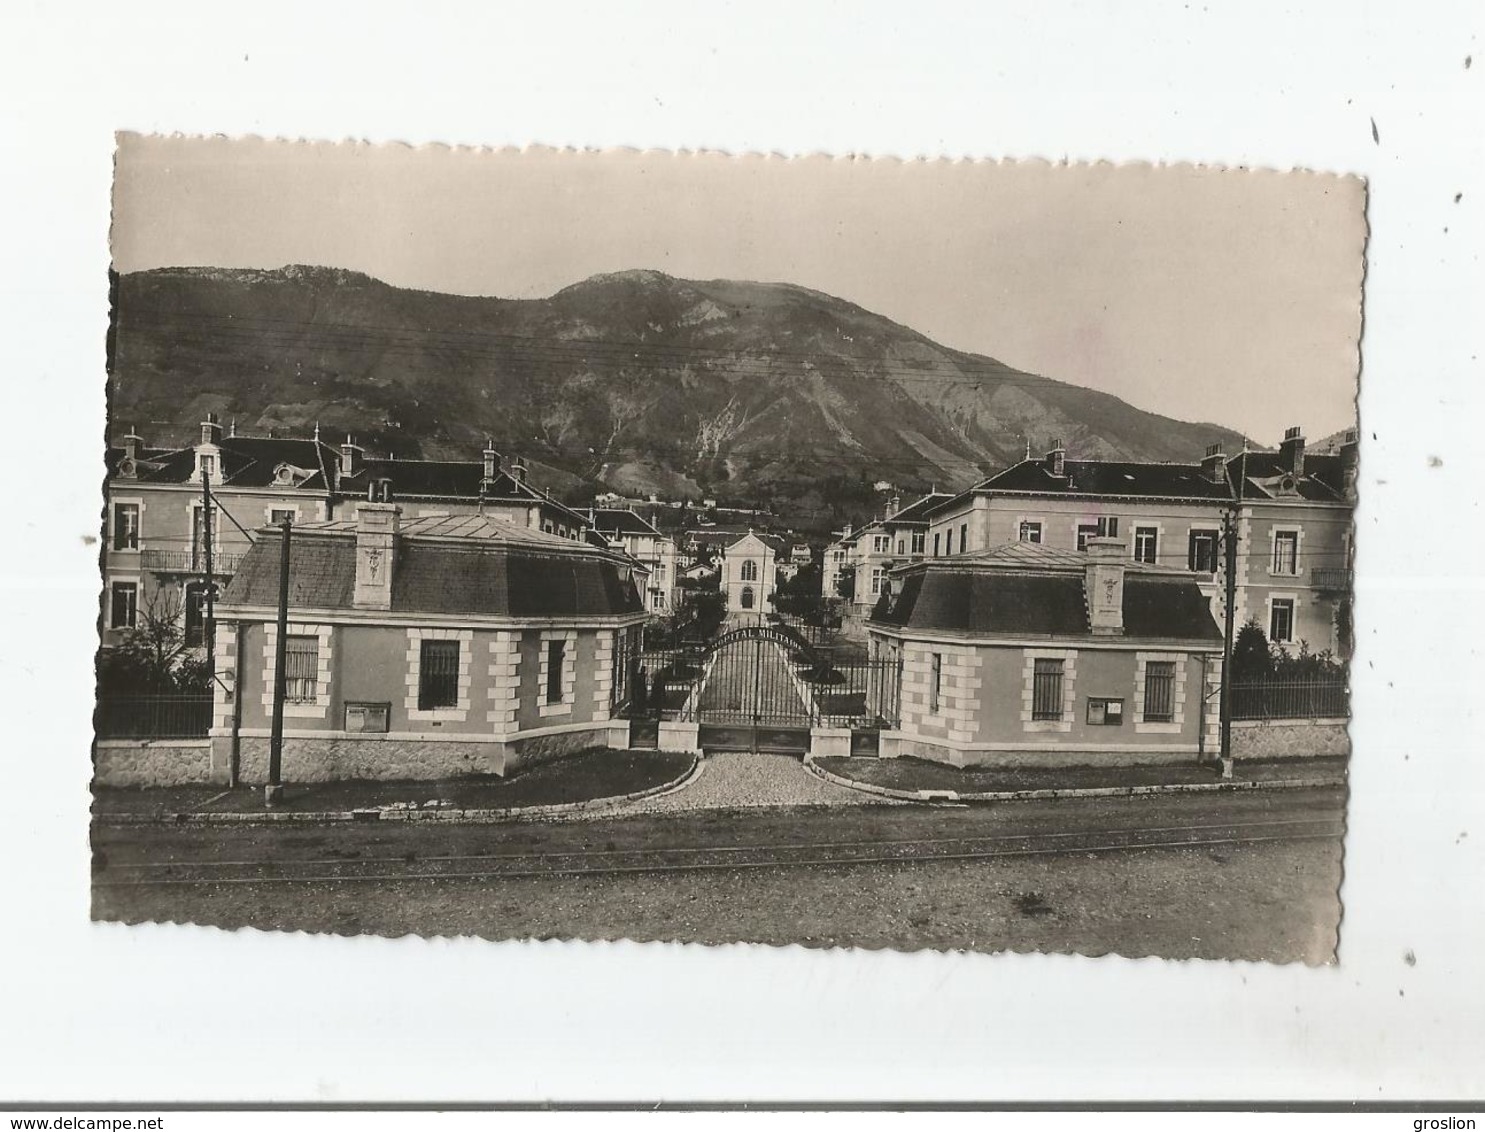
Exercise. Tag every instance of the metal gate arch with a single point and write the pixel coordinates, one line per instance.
(749, 697)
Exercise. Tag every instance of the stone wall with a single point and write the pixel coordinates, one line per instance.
(1289, 738)
(330, 760)
(538, 749)
(133, 762)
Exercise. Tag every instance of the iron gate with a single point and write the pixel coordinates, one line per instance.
(761, 688)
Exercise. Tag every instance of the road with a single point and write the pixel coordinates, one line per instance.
(751, 679)
(1251, 876)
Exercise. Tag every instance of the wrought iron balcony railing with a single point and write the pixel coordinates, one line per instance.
(188, 562)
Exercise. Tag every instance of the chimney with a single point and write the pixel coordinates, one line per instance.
(132, 441)
(492, 460)
(1104, 586)
(1292, 452)
(1214, 464)
(376, 554)
(518, 470)
(211, 430)
(1350, 454)
(1056, 461)
(894, 505)
(350, 457)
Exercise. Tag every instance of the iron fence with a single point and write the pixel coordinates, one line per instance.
(1291, 699)
(153, 717)
(763, 681)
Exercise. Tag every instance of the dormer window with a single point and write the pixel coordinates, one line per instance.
(206, 467)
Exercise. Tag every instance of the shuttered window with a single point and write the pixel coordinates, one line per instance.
(1160, 681)
(1046, 690)
(438, 675)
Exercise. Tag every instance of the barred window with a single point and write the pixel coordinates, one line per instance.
(1046, 690)
(301, 669)
(438, 675)
(1160, 682)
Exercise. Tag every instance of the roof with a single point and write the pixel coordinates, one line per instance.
(773, 542)
(1263, 475)
(1109, 477)
(1034, 555)
(446, 565)
(917, 513)
(1041, 595)
(615, 520)
(247, 461)
(448, 479)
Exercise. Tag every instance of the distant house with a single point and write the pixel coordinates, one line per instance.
(422, 649)
(439, 488)
(641, 540)
(748, 576)
(1025, 655)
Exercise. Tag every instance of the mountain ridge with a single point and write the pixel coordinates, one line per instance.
(634, 380)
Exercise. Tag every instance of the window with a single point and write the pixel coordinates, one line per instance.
(881, 544)
(196, 612)
(1029, 531)
(920, 539)
(438, 675)
(1146, 540)
(1046, 690)
(1201, 552)
(935, 681)
(1286, 553)
(877, 575)
(935, 544)
(901, 546)
(126, 526)
(1103, 527)
(556, 655)
(123, 602)
(1160, 683)
(301, 669)
(963, 538)
(548, 528)
(280, 515)
(1281, 620)
(749, 570)
(208, 467)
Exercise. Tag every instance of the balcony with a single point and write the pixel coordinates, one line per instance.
(1330, 579)
(188, 562)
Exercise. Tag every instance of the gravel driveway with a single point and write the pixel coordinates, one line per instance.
(732, 780)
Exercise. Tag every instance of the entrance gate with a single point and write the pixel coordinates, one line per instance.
(761, 688)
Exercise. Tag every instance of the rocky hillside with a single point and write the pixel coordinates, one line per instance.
(633, 381)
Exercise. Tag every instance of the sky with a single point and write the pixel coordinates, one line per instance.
(1230, 296)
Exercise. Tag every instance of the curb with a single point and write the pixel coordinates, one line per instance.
(447, 814)
(1069, 791)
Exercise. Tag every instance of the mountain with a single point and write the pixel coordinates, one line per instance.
(636, 381)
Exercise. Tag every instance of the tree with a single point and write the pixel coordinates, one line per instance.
(1252, 658)
(154, 656)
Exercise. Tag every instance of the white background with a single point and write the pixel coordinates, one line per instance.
(107, 1012)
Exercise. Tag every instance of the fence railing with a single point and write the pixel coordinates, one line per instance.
(188, 562)
(1291, 699)
(775, 684)
(153, 717)
(1336, 579)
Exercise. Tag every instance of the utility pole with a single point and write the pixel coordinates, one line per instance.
(1229, 585)
(208, 627)
(274, 791)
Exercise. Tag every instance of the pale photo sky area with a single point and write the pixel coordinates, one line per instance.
(1205, 295)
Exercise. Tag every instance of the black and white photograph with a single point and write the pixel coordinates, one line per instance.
(682, 547)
